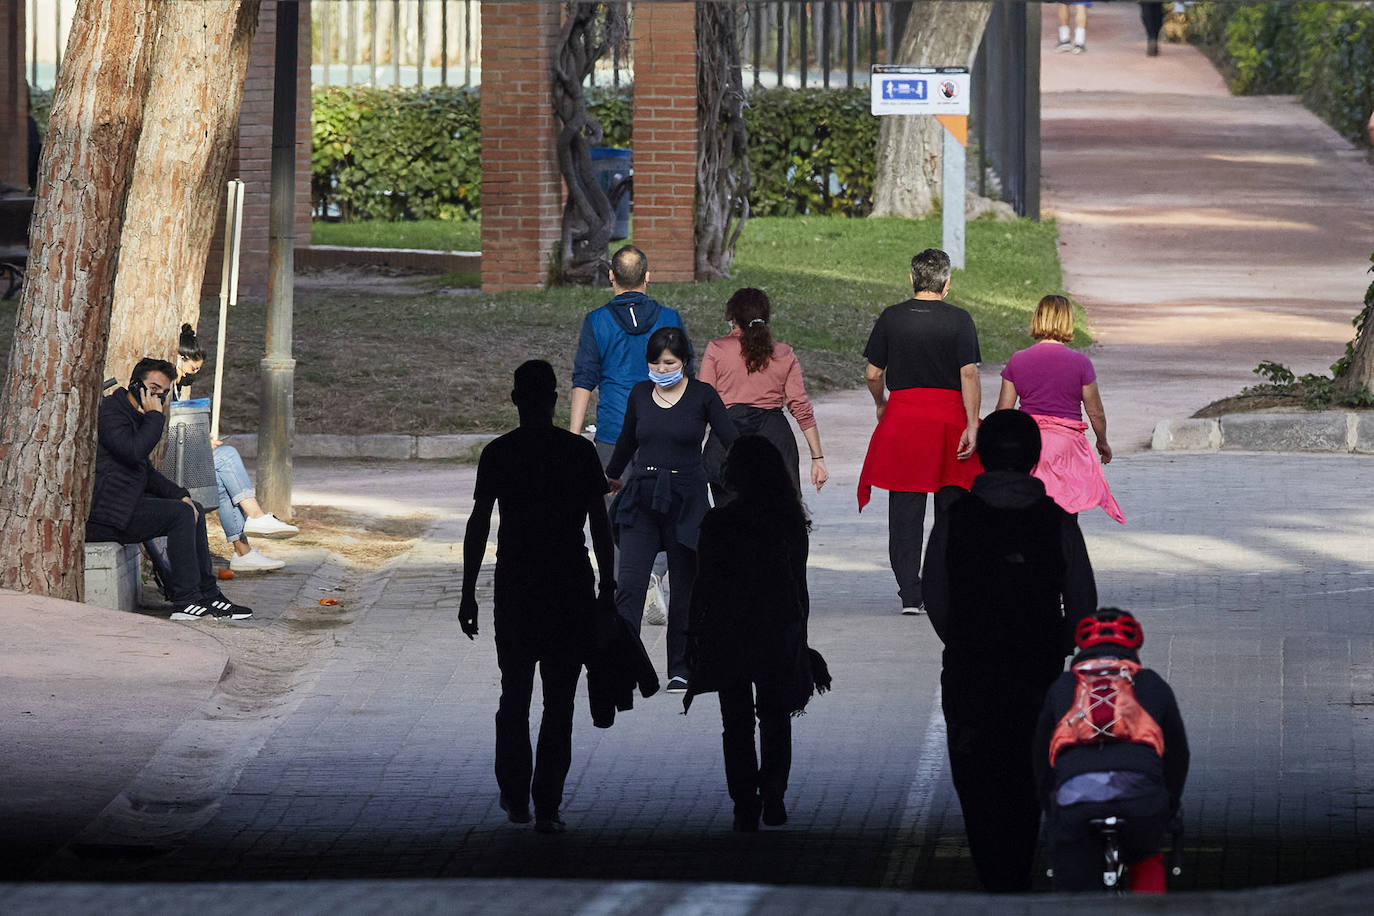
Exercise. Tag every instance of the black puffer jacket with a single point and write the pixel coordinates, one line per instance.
(123, 473)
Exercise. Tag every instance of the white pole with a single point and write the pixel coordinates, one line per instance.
(228, 288)
(952, 197)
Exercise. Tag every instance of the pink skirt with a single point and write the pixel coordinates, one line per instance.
(1070, 470)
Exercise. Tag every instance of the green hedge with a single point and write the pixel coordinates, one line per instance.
(1321, 51)
(416, 153)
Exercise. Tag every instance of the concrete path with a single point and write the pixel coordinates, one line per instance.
(355, 742)
(1202, 233)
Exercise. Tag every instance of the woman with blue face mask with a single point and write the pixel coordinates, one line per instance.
(661, 501)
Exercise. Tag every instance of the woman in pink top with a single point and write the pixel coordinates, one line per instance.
(755, 376)
(1052, 382)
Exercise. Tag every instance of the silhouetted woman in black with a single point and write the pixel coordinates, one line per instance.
(747, 631)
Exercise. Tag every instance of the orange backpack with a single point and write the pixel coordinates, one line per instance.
(1105, 709)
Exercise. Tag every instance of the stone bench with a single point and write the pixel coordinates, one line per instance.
(114, 577)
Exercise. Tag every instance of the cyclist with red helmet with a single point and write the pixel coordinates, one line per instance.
(1110, 742)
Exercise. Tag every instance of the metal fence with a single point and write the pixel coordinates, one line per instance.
(396, 42)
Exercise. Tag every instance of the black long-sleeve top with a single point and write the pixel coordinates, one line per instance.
(123, 473)
(665, 443)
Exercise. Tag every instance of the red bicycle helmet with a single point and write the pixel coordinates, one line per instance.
(1109, 625)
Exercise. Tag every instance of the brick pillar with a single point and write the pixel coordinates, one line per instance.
(252, 160)
(522, 190)
(14, 96)
(665, 137)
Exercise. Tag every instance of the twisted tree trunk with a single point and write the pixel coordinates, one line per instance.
(722, 204)
(589, 31)
(1359, 369)
(939, 33)
(177, 192)
(50, 400)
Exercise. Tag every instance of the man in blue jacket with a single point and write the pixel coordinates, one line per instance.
(611, 349)
(611, 358)
(132, 502)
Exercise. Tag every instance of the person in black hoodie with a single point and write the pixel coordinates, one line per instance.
(1001, 560)
(132, 502)
(1135, 771)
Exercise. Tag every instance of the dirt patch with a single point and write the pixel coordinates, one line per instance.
(362, 542)
(1248, 403)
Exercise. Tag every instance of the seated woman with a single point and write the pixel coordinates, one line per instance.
(240, 514)
(747, 636)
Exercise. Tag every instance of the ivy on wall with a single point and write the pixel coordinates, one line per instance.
(1322, 51)
(416, 153)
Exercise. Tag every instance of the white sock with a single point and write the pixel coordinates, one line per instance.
(1080, 36)
(1063, 34)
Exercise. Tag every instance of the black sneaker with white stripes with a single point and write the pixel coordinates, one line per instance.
(193, 610)
(224, 609)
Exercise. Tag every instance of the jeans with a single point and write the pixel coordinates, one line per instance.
(519, 773)
(188, 552)
(233, 487)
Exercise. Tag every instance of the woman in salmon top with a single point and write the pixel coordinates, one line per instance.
(1052, 382)
(755, 376)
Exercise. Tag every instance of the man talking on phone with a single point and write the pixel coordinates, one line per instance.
(132, 502)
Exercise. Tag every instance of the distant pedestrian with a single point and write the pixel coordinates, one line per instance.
(1110, 742)
(1051, 382)
(610, 361)
(748, 632)
(240, 513)
(925, 351)
(1152, 17)
(663, 499)
(1079, 42)
(755, 376)
(1007, 579)
(548, 483)
(131, 502)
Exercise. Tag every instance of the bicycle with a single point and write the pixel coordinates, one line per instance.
(1115, 871)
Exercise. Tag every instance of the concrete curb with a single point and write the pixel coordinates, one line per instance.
(1278, 431)
(378, 446)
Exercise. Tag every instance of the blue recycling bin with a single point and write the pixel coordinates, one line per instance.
(614, 168)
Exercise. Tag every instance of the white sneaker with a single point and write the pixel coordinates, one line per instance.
(655, 608)
(269, 526)
(253, 561)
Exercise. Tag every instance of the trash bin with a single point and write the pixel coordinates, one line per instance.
(614, 168)
(189, 459)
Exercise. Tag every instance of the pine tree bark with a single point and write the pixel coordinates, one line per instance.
(939, 33)
(50, 400)
(190, 124)
(1359, 371)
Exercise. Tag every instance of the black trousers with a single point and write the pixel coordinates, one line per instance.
(748, 775)
(1076, 846)
(906, 519)
(639, 544)
(1152, 17)
(188, 550)
(519, 773)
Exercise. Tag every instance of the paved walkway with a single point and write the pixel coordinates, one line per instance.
(355, 742)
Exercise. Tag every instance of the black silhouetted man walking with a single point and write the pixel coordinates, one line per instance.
(549, 483)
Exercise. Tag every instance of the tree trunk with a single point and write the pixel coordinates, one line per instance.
(177, 195)
(1359, 359)
(722, 204)
(939, 33)
(49, 402)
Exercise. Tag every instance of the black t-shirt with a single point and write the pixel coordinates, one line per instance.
(923, 343)
(670, 437)
(544, 479)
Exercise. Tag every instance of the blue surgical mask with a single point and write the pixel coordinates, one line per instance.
(665, 379)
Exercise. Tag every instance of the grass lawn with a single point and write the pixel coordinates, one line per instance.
(431, 234)
(381, 354)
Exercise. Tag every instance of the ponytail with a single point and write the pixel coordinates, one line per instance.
(188, 347)
(749, 309)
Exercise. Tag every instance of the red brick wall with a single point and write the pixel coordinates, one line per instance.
(665, 134)
(14, 96)
(252, 160)
(522, 191)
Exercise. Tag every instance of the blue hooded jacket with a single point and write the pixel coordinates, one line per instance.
(611, 354)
